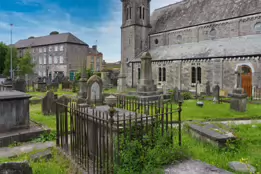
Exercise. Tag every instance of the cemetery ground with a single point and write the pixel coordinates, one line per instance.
(245, 149)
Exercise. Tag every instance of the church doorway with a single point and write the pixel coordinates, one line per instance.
(247, 79)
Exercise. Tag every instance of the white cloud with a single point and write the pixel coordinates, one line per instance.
(107, 33)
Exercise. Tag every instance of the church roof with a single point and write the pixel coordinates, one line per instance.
(193, 12)
(237, 46)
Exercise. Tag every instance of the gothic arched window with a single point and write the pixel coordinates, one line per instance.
(213, 33)
(164, 74)
(160, 74)
(193, 75)
(199, 74)
(258, 27)
(143, 14)
(128, 12)
(179, 39)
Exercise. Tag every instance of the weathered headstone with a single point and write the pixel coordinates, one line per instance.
(47, 103)
(62, 103)
(19, 85)
(66, 84)
(176, 95)
(8, 83)
(238, 100)
(41, 85)
(198, 89)
(216, 92)
(15, 168)
(241, 167)
(94, 90)
(208, 92)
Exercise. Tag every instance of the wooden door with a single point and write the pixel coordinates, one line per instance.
(247, 83)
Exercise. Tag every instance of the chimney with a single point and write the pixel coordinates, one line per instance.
(94, 47)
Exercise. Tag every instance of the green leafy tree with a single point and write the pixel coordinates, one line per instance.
(3, 52)
(7, 60)
(26, 64)
(89, 73)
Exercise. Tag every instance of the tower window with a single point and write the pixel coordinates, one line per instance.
(130, 12)
(143, 12)
(156, 41)
(160, 74)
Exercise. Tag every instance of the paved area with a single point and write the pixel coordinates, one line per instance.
(8, 152)
(194, 167)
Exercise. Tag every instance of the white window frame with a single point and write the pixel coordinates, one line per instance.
(50, 61)
(40, 50)
(55, 48)
(55, 60)
(44, 60)
(61, 61)
(61, 47)
(40, 60)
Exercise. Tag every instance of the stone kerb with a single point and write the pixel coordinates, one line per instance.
(94, 90)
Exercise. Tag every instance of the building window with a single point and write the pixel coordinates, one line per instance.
(213, 33)
(195, 74)
(139, 73)
(61, 47)
(162, 74)
(44, 49)
(156, 41)
(40, 60)
(140, 12)
(50, 60)
(55, 60)
(40, 50)
(44, 60)
(56, 48)
(50, 48)
(258, 28)
(61, 60)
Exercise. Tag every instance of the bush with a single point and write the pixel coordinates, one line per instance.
(150, 155)
(187, 95)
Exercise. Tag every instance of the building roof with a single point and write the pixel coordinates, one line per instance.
(49, 40)
(237, 46)
(194, 12)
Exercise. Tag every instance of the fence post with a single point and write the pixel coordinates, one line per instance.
(111, 121)
(179, 110)
(57, 125)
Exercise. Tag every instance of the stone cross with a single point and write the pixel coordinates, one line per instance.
(238, 77)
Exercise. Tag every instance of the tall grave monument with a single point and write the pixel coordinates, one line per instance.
(239, 97)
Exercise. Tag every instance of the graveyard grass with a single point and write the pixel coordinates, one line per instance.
(211, 111)
(247, 149)
(56, 165)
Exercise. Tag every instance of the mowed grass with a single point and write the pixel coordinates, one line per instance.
(216, 111)
(56, 165)
(247, 149)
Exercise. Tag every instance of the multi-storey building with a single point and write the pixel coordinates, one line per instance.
(94, 59)
(55, 54)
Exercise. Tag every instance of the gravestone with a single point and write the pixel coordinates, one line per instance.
(15, 168)
(47, 102)
(176, 95)
(66, 84)
(198, 89)
(216, 94)
(208, 92)
(19, 85)
(8, 83)
(94, 90)
(62, 104)
(41, 85)
(164, 88)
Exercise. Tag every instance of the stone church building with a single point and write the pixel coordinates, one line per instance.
(194, 41)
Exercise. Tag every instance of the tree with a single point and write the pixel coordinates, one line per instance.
(7, 60)
(26, 65)
(89, 73)
(3, 52)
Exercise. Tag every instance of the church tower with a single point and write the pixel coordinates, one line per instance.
(135, 28)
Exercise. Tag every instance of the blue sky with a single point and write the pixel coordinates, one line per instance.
(89, 20)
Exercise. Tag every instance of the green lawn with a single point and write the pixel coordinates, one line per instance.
(247, 149)
(59, 93)
(37, 116)
(57, 165)
(216, 111)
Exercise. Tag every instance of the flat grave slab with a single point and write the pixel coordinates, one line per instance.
(215, 133)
